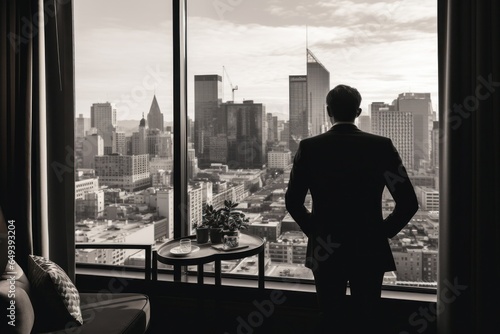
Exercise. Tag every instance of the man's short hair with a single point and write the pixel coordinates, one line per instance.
(344, 102)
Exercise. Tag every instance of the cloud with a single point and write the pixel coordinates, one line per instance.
(382, 47)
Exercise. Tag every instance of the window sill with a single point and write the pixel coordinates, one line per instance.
(388, 292)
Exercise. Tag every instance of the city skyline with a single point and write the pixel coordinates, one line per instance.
(373, 47)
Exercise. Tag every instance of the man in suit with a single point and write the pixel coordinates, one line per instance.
(345, 170)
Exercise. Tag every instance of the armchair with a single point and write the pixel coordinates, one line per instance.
(40, 307)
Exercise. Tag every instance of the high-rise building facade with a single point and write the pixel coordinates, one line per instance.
(298, 117)
(435, 145)
(420, 106)
(82, 126)
(208, 123)
(127, 172)
(119, 142)
(398, 126)
(140, 139)
(364, 123)
(246, 134)
(159, 144)
(103, 118)
(155, 117)
(93, 145)
(318, 86)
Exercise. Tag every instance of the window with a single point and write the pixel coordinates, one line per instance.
(257, 78)
(123, 140)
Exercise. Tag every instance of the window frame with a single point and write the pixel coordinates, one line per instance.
(180, 181)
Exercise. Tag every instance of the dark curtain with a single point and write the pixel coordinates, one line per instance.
(469, 251)
(36, 127)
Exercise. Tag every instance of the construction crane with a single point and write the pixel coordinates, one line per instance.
(233, 88)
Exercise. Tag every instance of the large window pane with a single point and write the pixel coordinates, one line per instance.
(123, 63)
(258, 76)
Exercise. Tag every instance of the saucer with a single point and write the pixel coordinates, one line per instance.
(176, 251)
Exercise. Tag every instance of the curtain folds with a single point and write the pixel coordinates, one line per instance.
(36, 127)
(469, 252)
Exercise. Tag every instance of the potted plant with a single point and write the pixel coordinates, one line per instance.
(202, 231)
(211, 219)
(232, 221)
(224, 221)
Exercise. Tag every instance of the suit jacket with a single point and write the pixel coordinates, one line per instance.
(345, 170)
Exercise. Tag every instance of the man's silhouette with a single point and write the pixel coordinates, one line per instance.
(346, 170)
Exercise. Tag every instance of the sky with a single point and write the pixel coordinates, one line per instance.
(123, 49)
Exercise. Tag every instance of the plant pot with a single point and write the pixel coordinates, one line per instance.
(202, 235)
(215, 235)
(230, 239)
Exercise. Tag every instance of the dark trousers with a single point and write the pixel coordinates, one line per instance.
(359, 314)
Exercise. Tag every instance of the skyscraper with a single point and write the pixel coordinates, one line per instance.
(307, 98)
(119, 142)
(93, 145)
(207, 99)
(298, 119)
(435, 145)
(246, 134)
(420, 106)
(82, 126)
(139, 139)
(318, 86)
(155, 117)
(398, 126)
(103, 118)
(365, 123)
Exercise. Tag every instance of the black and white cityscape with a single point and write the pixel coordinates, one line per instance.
(241, 149)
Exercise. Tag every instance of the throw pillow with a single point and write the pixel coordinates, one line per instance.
(55, 298)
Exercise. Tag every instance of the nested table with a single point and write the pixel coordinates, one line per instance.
(207, 254)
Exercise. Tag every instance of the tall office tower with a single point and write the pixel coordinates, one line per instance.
(119, 142)
(398, 126)
(272, 127)
(270, 132)
(435, 145)
(285, 134)
(246, 134)
(155, 117)
(419, 104)
(190, 130)
(364, 123)
(374, 106)
(127, 172)
(208, 121)
(298, 118)
(82, 126)
(140, 138)
(103, 118)
(165, 208)
(192, 164)
(93, 145)
(195, 208)
(159, 144)
(318, 86)
(218, 148)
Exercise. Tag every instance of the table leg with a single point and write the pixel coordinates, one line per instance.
(200, 274)
(155, 266)
(218, 273)
(177, 273)
(261, 269)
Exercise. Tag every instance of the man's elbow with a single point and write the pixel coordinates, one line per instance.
(413, 208)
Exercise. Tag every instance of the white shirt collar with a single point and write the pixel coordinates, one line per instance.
(338, 123)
